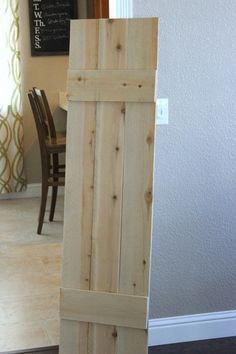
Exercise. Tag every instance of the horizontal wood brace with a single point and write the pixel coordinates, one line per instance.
(104, 308)
(112, 85)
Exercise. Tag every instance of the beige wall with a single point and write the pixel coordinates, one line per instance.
(45, 72)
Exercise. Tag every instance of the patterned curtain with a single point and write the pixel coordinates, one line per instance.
(11, 128)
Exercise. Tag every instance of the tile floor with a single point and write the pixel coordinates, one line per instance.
(30, 268)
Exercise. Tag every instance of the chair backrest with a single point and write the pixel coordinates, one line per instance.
(43, 105)
(40, 126)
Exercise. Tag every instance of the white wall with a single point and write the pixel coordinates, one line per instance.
(194, 251)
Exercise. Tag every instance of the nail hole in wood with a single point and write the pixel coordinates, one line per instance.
(114, 334)
(117, 148)
(114, 197)
(124, 84)
(139, 86)
(134, 285)
(119, 47)
(123, 111)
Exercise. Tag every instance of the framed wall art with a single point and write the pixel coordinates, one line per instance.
(50, 26)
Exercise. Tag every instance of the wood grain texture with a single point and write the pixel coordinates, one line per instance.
(112, 85)
(107, 192)
(79, 189)
(137, 203)
(107, 233)
(78, 212)
(103, 307)
(83, 56)
(108, 185)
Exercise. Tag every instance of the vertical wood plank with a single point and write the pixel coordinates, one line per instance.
(112, 49)
(136, 215)
(82, 55)
(79, 186)
(132, 341)
(112, 53)
(78, 211)
(142, 43)
(107, 192)
(107, 220)
(137, 200)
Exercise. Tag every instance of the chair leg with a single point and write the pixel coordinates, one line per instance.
(55, 163)
(44, 194)
(53, 203)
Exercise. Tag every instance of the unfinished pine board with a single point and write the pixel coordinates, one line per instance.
(105, 308)
(79, 190)
(109, 192)
(108, 187)
(112, 85)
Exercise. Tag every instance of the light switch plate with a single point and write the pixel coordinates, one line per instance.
(162, 111)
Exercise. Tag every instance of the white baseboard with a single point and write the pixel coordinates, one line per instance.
(191, 328)
(33, 190)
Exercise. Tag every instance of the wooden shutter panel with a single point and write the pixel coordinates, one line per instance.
(109, 186)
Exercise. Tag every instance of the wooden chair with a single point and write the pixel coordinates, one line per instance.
(53, 174)
(43, 104)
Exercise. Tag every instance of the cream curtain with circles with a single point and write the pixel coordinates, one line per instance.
(11, 128)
